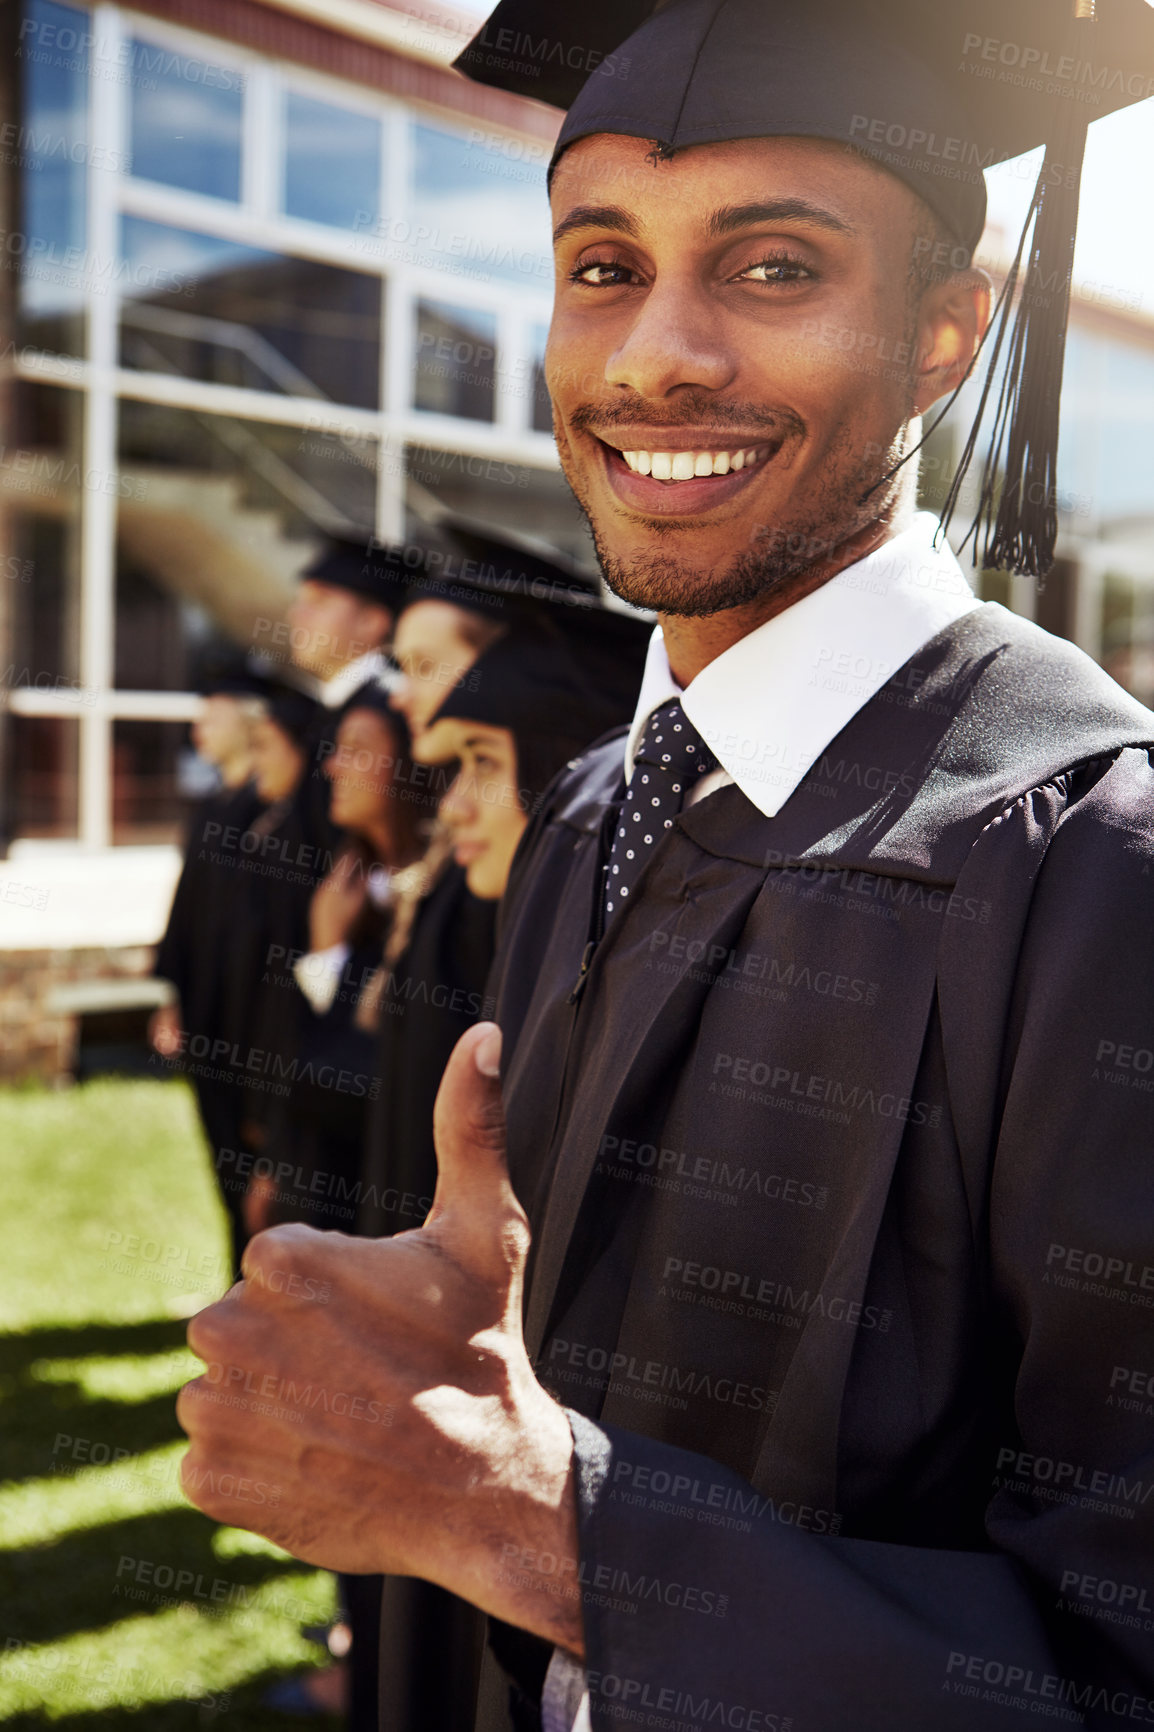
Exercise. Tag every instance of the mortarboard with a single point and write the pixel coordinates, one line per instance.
(362, 566)
(292, 711)
(555, 696)
(535, 592)
(934, 93)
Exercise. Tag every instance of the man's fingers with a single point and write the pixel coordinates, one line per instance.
(473, 1195)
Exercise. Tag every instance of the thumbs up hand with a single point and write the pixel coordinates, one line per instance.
(369, 1405)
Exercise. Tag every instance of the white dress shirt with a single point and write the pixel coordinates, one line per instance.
(768, 707)
(771, 704)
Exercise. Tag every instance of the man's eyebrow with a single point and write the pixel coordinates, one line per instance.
(786, 210)
(595, 216)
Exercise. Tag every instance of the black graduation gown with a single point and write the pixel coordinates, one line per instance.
(435, 992)
(430, 1641)
(278, 864)
(316, 1133)
(841, 1182)
(197, 955)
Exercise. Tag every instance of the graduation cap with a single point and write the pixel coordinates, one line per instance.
(363, 566)
(232, 675)
(933, 93)
(535, 592)
(292, 712)
(554, 695)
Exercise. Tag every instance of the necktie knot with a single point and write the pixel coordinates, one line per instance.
(671, 758)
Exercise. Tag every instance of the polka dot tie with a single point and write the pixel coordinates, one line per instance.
(671, 758)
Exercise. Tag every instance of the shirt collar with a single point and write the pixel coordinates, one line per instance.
(335, 691)
(772, 703)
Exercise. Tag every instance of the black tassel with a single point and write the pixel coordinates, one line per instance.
(1017, 515)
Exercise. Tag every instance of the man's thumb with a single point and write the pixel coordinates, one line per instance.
(469, 1136)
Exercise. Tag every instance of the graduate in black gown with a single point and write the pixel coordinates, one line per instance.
(195, 953)
(339, 630)
(276, 864)
(530, 704)
(316, 1135)
(825, 987)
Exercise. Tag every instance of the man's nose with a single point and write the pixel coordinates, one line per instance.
(676, 339)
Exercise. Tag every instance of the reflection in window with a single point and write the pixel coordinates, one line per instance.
(541, 419)
(332, 169)
(212, 309)
(1128, 634)
(42, 778)
(456, 371)
(186, 121)
(535, 502)
(51, 184)
(487, 213)
(146, 798)
(41, 476)
(216, 517)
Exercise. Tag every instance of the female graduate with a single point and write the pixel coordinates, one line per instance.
(317, 1133)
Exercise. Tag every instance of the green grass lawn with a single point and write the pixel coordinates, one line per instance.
(120, 1606)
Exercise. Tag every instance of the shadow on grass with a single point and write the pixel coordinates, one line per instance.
(129, 1569)
(240, 1710)
(20, 1350)
(54, 1428)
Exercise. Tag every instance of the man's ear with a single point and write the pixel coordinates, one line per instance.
(952, 321)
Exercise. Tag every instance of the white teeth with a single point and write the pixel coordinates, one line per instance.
(686, 465)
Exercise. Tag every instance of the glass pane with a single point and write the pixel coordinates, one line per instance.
(185, 125)
(332, 171)
(42, 779)
(1128, 634)
(481, 212)
(542, 413)
(146, 800)
(216, 518)
(49, 185)
(456, 372)
(507, 496)
(1106, 455)
(41, 486)
(212, 309)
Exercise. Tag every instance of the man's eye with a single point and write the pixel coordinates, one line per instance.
(601, 274)
(778, 269)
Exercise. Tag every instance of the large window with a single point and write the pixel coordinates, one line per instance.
(203, 307)
(332, 162)
(274, 305)
(186, 120)
(49, 177)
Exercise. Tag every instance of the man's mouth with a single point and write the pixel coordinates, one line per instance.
(684, 481)
(693, 465)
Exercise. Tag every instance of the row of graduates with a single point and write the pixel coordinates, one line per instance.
(335, 920)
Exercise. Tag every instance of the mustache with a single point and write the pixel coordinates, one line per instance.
(698, 410)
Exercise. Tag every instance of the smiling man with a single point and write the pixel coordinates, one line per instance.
(793, 1369)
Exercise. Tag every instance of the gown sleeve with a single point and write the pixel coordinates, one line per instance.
(753, 1624)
